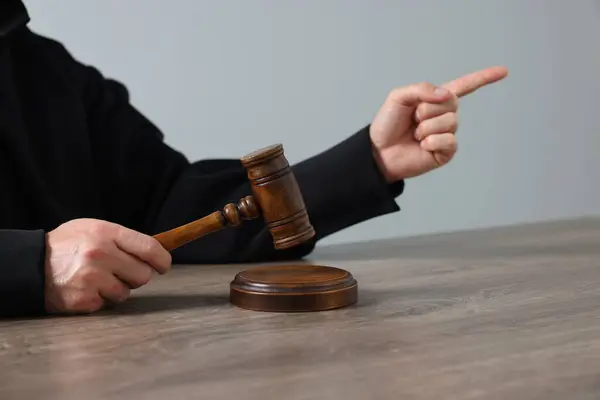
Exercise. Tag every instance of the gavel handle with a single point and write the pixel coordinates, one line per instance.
(231, 214)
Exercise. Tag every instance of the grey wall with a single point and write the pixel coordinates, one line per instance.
(249, 73)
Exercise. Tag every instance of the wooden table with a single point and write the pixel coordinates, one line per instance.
(511, 313)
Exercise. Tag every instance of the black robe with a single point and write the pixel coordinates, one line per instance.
(72, 146)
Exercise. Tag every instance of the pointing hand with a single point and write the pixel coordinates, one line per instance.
(414, 131)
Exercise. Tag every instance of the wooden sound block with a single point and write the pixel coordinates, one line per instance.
(293, 288)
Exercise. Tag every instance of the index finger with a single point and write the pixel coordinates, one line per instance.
(476, 80)
(143, 247)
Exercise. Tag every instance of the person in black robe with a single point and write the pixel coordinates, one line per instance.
(86, 179)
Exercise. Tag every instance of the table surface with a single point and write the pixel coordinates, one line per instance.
(505, 313)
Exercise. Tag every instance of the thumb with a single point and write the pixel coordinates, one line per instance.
(413, 95)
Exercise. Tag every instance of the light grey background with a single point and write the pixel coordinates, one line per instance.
(250, 73)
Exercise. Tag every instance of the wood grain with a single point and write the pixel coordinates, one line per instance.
(510, 313)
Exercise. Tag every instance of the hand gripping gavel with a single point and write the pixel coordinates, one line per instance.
(275, 194)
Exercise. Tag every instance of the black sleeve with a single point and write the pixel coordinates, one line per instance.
(153, 188)
(22, 271)
(341, 187)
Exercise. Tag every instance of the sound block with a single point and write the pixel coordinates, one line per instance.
(293, 288)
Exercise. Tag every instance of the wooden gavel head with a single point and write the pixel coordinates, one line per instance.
(275, 195)
(278, 196)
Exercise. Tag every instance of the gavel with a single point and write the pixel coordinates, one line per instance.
(275, 195)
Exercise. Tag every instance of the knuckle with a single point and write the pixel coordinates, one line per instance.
(89, 276)
(84, 302)
(168, 260)
(426, 87)
(161, 256)
(454, 101)
(153, 247)
(116, 287)
(99, 228)
(121, 292)
(450, 146)
(422, 112)
(396, 94)
(429, 143)
(453, 121)
(433, 140)
(142, 279)
(454, 143)
(95, 303)
(157, 253)
(93, 253)
(419, 132)
(77, 302)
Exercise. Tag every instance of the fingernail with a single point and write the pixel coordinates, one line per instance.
(440, 92)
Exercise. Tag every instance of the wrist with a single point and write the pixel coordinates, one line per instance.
(48, 276)
(381, 164)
